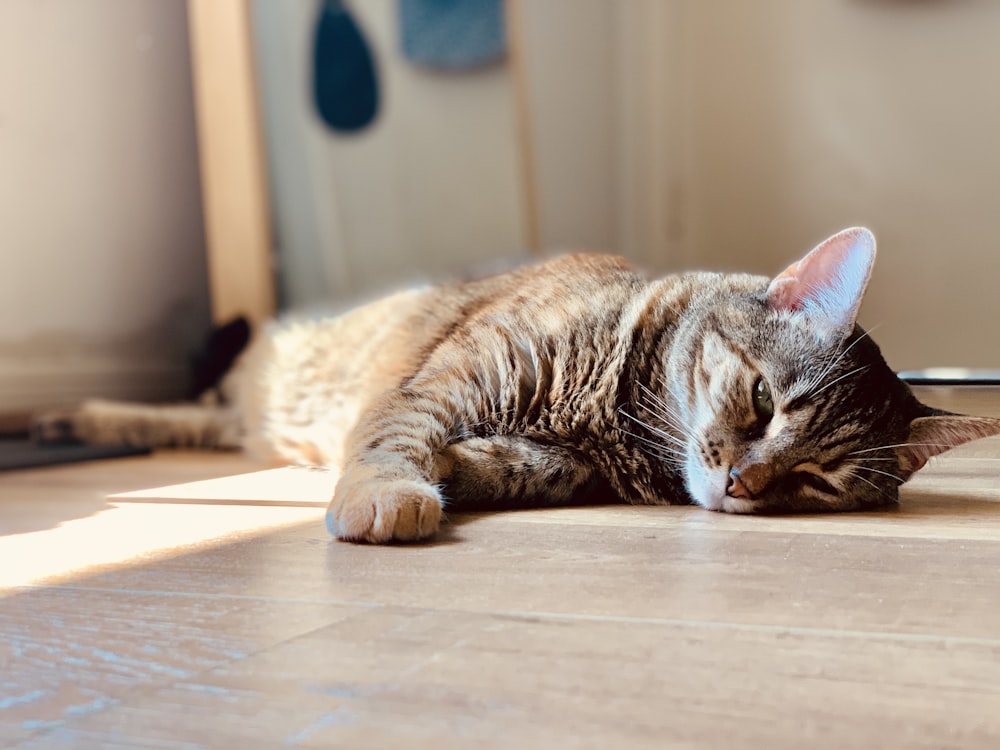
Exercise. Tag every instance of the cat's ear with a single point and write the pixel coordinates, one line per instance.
(930, 436)
(829, 283)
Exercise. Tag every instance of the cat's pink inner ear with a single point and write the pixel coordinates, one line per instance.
(830, 282)
(930, 436)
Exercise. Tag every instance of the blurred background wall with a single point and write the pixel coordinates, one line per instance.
(431, 183)
(436, 183)
(803, 117)
(683, 133)
(102, 283)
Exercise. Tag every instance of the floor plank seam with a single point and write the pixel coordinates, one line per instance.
(795, 630)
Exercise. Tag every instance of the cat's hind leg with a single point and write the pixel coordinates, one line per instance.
(181, 425)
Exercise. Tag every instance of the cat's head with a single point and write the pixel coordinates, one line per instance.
(785, 404)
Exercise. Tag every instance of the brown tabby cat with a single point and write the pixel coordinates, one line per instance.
(580, 380)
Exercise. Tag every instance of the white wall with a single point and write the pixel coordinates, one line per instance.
(570, 49)
(435, 184)
(603, 99)
(801, 118)
(718, 134)
(103, 288)
(735, 135)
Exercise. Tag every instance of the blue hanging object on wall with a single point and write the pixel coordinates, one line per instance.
(344, 86)
(452, 34)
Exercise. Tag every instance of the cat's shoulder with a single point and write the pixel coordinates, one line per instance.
(584, 269)
(587, 263)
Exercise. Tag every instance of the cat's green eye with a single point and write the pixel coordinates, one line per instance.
(763, 404)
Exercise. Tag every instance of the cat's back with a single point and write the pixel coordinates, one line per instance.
(554, 297)
(306, 380)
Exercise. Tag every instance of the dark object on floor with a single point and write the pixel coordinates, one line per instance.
(951, 376)
(15, 424)
(344, 87)
(223, 346)
(26, 454)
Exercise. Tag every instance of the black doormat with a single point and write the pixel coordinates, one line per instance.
(26, 454)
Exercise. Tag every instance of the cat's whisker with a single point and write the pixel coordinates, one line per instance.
(659, 455)
(659, 451)
(682, 441)
(835, 359)
(655, 450)
(653, 396)
(839, 356)
(856, 370)
(665, 433)
(650, 397)
(664, 411)
(662, 434)
(827, 366)
(878, 489)
(898, 445)
(879, 471)
(671, 418)
(656, 431)
(672, 410)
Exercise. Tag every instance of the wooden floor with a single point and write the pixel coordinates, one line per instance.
(175, 619)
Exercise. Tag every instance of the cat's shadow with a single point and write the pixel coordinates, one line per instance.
(936, 504)
(914, 504)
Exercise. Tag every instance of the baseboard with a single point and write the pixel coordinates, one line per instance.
(47, 382)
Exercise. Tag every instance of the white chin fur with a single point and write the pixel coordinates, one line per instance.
(725, 504)
(708, 488)
(737, 505)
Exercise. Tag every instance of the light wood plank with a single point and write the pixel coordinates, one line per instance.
(956, 497)
(57, 521)
(981, 400)
(301, 486)
(395, 677)
(578, 627)
(67, 654)
(906, 587)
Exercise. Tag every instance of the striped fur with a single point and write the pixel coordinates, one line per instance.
(580, 379)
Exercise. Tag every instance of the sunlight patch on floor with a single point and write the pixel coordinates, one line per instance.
(128, 532)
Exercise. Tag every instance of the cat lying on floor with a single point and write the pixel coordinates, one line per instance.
(573, 380)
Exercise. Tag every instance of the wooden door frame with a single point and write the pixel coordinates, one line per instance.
(236, 204)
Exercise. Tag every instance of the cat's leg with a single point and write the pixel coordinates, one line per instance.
(101, 422)
(389, 486)
(514, 471)
(474, 473)
(386, 491)
(411, 443)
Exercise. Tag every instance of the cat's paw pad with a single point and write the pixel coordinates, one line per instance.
(379, 511)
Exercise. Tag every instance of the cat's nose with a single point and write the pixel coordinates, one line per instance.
(736, 488)
(750, 481)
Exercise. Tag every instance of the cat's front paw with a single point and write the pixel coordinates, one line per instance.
(379, 511)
